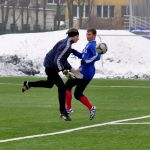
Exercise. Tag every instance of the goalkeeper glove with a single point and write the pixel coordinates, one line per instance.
(76, 73)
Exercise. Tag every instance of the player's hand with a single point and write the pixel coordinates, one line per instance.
(76, 73)
(65, 72)
(68, 74)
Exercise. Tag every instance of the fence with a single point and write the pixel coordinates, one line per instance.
(139, 18)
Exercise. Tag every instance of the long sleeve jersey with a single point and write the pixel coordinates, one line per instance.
(88, 58)
(57, 57)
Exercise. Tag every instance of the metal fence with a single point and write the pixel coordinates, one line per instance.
(139, 19)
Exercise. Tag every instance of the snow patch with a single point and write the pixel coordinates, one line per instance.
(127, 56)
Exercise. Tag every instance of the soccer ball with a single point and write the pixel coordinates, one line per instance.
(101, 48)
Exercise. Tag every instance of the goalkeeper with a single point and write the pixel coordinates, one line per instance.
(88, 58)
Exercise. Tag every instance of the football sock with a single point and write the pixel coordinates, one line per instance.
(68, 99)
(84, 100)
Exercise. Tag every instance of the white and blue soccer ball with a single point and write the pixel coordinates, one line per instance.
(101, 48)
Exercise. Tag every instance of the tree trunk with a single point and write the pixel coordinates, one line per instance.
(70, 14)
(37, 13)
(57, 17)
(44, 14)
(90, 7)
(2, 11)
(22, 16)
(81, 4)
(27, 22)
(7, 15)
(14, 14)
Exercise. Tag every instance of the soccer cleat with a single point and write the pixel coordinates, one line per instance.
(25, 86)
(92, 112)
(69, 111)
(65, 116)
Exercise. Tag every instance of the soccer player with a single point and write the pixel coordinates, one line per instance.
(54, 62)
(88, 58)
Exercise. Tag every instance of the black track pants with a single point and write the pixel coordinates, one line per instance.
(53, 78)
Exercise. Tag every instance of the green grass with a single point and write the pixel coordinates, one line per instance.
(36, 112)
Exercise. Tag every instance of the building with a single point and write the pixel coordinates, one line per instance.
(28, 18)
(105, 14)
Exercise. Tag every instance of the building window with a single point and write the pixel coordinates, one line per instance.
(75, 11)
(124, 11)
(99, 11)
(55, 1)
(111, 11)
(105, 11)
(81, 11)
(84, 9)
(52, 1)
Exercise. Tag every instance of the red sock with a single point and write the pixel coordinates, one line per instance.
(84, 100)
(68, 99)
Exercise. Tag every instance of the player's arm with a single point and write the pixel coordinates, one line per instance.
(76, 53)
(62, 49)
(67, 66)
(90, 56)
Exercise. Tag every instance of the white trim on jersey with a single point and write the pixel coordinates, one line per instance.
(91, 59)
(62, 53)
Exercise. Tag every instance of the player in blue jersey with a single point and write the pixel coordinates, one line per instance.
(88, 58)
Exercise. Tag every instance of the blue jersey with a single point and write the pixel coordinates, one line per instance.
(88, 58)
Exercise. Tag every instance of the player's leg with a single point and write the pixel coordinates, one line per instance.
(82, 84)
(61, 96)
(42, 83)
(69, 85)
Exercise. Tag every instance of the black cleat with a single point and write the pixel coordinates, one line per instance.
(25, 86)
(65, 116)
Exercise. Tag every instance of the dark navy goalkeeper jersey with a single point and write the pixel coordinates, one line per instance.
(57, 57)
(88, 58)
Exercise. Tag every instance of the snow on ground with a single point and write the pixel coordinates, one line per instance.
(128, 56)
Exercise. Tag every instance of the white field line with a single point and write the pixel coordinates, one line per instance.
(10, 84)
(93, 86)
(132, 123)
(72, 130)
(119, 86)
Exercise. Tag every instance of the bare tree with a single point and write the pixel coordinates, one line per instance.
(13, 3)
(90, 9)
(24, 4)
(27, 8)
(44, 14)
(2, 2)
(21, 3)
(81, 4)
(70, 12)
(57, 18)
(37, 13)
(7, 13)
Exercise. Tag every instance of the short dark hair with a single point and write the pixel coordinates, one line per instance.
(72, 32)
(92, 30)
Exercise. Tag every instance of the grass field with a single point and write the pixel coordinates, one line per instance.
(36, 112)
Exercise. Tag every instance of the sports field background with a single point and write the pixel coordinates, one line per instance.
(36, 112)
